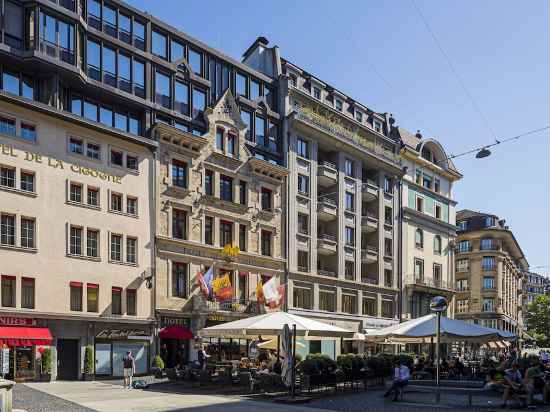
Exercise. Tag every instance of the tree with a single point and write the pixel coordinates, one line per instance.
(538, 320)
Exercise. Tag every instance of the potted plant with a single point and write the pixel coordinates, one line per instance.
(158, 367)
(88, 363)
(46, 364)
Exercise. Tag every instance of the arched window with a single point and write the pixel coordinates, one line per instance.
(419, 238)
(437, 244)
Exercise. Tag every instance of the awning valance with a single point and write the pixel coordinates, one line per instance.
(22, 336)
(176, 332)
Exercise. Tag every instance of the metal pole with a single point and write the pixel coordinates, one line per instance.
(437, 354)
(293, 384)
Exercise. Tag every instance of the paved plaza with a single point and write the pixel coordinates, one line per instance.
(109, 396)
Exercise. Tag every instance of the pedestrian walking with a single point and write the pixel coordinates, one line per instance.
(129, 368)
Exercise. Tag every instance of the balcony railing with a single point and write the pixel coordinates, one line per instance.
(328, 200)
(327, 238)
(328, 164)
(56, 51)
(464, 249)
(324, 272)
(369, 281)
(430, 282)
(488, 268)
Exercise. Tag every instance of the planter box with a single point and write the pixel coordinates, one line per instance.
(45, 377)
(88, 376)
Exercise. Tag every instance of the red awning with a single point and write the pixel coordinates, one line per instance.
(21, 336)
(176, 332)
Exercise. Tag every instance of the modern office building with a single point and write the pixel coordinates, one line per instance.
(429, 225)
(490, 267)
(343, 203)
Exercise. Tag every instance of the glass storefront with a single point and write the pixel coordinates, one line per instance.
(109, 357)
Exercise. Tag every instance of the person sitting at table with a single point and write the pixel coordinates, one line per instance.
(534, 382)
(495, 381)
(513, 385)
(400, 380)
(264, 368)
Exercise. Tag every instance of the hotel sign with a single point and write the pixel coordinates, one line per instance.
(58, 164)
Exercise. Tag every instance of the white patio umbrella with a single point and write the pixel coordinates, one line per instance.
(423, 330)
(271, 325)
(272, 344)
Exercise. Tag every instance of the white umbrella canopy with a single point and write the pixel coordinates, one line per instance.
(272, 344)
(423, 329)
(271, 324)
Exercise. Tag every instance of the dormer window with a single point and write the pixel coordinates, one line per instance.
(219, 140)
(378, 126)
(489, 221)
(317, 93)
(359, 116)
(338, 104)
(293, 80)
(463, 225)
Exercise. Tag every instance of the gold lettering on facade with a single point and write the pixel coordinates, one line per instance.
(59, 164)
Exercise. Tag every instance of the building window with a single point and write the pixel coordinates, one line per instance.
(158, 44)
(195, 61)
(179, 280)
(349, 303)
(489, 282)
(242, 192)
(490, 221)
(28, 229)
(93, 196)
(350, 236)
(131, 302)
(437, 275)
(57, 38)
(348, 168)
(7, 177)
(181, 98)
(209, 230)
(116, 202)
(209, 183)
(27, 293)
(75, 193)
(116, 301)
(303, 184)
(419, 238)
(266, 199)
(199, 102)
(131, 206)
(231, 144)
(247, 119)
(76, 296)
(177, 51)
(302, 297)
(242, 237)
(259, 129)
(486, 244)
(462, 306)
(302, 148)
(92, 243)
(131, 162)
(463, 225)
(359, 116)
(488, 263)
(131, 250)
(462, 265)
(427, 181)
(488, 305)
(419, 204)
(7, 126)
(327, 299)
(116, 158)
(350, 202)
(7, 230)
(116, 248)
(76, 241)
(462, 285)
(437, 185)
(303, 261)
(254, 90)
(241, 85)
(92, 297)
(369, 306)
(266, 243)
(226, 188)
(418, 270)
(226, 233)
(219, 140)
(179, 173)
(388, 184)
(8, 291)
(139, 34)
(464, 246)
(437, 244)
(179, 223)
(28, 132)
(317, 93)
(349, 270)
(387, 309)
(338, 104)
(162, 89)
(303, 224)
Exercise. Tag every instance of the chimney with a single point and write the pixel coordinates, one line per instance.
(418, 134)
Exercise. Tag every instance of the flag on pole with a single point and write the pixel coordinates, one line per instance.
(260, 292)
(205, 281)
(270, 291)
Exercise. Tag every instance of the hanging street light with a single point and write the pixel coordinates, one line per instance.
(483, 153)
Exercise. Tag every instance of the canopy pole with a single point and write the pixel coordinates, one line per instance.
(437, 355)
(293, 384)
(278, 347)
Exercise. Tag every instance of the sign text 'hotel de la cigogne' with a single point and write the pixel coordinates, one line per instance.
(58, 164)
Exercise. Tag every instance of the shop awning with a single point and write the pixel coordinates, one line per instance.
(176, 332)
(22, 336)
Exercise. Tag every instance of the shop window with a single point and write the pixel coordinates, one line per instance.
(92, 297)
(8, 291)
(27, 293)
(116, 301)
(76, 296)
(131, 302)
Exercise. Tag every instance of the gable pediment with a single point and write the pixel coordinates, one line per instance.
(225, 110)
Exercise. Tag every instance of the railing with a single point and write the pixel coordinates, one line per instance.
(369, 281)
(488, 268)
(368, 251)
(338, 129)
(330, 165)
(303, 268)
(489, 247)
(368, 217)
(234, 305)
(328, 273)
(432, 283)
(325, 237)
(327, 200)
(57, 51)
(464, 249)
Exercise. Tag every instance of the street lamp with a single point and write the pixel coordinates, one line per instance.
(438, 305)
(483, 153)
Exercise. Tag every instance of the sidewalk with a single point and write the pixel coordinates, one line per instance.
(109, 397)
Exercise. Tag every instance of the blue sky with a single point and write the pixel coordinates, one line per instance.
(381, 54)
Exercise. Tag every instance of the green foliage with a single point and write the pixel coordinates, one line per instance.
(46, 360)
(158, 362)
(538, 319)
(317, 364)
(89, 360)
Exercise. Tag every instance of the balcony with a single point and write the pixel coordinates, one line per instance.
(324, 272)
(488, 268)
(327, 244)
(200, 303)
(464, 249)
(370, 190)
(327, 209)
(430, 284)
(327, 174)
(57, 52)
(369, 254)
(369, 222)
(369, 280)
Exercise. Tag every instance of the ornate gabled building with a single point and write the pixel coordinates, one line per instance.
(219, 207)
(429, 228)
(490, 267)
